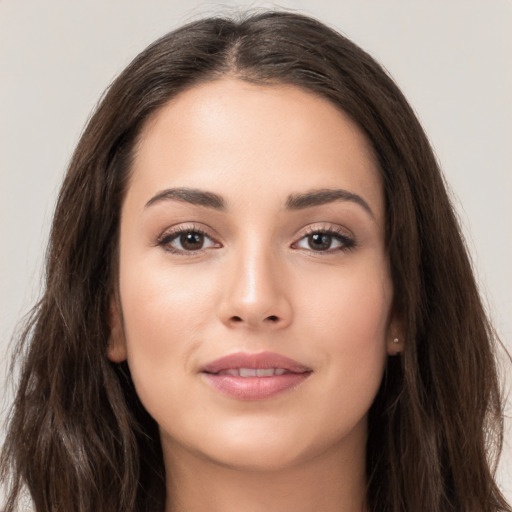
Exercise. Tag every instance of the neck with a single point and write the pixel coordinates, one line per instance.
(330, 482)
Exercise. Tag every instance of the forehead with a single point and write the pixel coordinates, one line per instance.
(276, 137)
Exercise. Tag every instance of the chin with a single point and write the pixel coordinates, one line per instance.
(257, 458)
(268, 449)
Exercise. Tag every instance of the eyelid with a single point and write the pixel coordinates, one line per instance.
(342, 234)
(345, 235)
(173, 232)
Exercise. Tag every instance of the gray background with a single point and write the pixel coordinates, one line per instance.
(451, 59)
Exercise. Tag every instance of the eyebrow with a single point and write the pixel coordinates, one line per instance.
(189, 195)
(294, 202)
(325, 196)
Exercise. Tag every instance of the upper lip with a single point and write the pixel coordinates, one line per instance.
(261, 360)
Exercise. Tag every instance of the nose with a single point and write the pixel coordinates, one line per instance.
(255, 294)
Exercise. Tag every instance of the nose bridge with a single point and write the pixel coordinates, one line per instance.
(256, 285)
(255, 291)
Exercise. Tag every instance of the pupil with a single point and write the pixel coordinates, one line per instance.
(192, 241)
(319, 241)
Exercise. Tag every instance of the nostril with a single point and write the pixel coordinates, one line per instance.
(235, 319)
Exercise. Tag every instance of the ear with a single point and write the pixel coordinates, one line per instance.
(396, 336)
(116, 350)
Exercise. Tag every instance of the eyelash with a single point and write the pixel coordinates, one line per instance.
(166, 238)
(346, 242)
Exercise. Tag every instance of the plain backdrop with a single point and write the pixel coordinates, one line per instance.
(451, 59)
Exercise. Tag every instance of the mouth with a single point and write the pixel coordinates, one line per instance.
(253, 372)
(245, 376)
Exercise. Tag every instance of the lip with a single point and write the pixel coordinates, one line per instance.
(254, 387)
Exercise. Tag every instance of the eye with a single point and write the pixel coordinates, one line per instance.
(325, 241)
(186, 240)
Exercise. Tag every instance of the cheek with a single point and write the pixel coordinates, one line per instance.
(164, 315)
(159, 303)
(349, 319)
(352, 304)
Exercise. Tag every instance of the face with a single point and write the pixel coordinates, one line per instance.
(255, 295)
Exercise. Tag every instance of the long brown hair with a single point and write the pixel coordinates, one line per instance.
(80, 440)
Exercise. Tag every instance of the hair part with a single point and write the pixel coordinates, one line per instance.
(79, 439)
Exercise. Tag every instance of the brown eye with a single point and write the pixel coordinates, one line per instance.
(328, 241)
(187, 241)
(191, 241)
(319, 241)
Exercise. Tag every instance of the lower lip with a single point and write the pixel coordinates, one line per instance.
(255, 388)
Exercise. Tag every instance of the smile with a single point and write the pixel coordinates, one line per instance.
(253, 372)
(259, 376)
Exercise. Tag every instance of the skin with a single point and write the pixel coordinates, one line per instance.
(255, 285)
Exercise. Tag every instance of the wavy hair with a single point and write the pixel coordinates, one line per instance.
(78, 437)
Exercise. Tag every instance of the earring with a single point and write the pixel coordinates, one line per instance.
(396, 340)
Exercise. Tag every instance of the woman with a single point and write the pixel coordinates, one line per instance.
(257, 295)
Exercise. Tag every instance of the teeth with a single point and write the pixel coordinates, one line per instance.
(253, 372)
(269, 372)
(248, 372)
